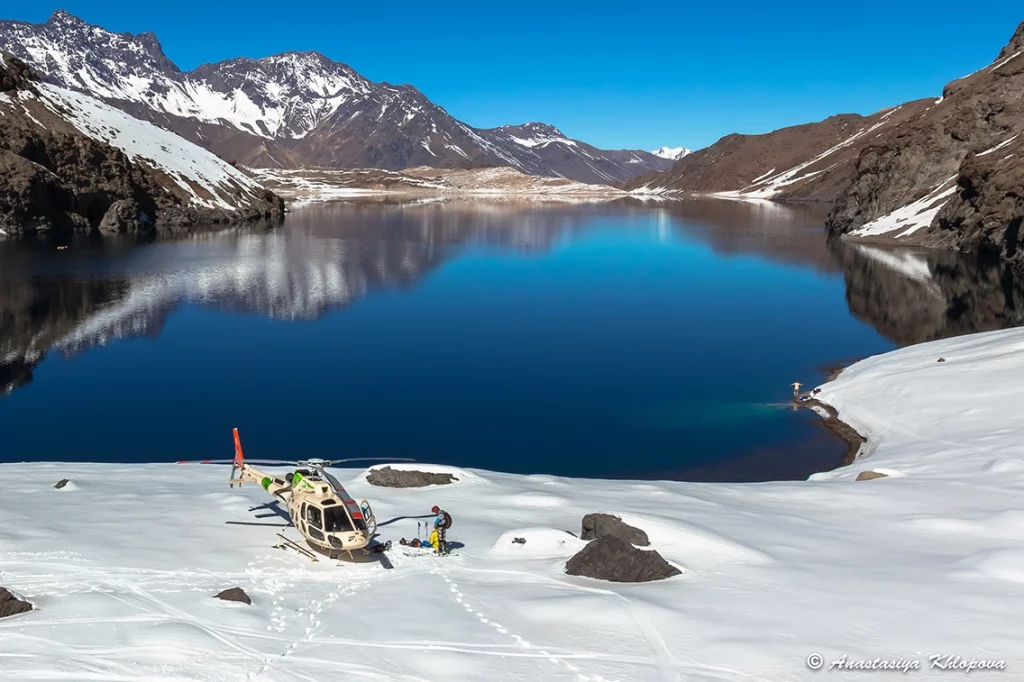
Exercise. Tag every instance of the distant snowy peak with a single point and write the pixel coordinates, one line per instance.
(671, 153)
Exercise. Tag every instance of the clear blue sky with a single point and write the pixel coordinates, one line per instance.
(623, 74)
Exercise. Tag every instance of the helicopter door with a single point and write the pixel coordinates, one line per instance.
(368, 517)
(315, 522)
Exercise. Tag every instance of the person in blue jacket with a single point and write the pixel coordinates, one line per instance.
(442, 523)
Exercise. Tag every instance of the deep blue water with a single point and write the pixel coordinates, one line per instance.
(603, 341)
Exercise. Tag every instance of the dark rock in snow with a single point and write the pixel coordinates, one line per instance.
(11, 605)
(519, 541)
(597, 526)
(870, 475)
(941, 360)
(235, 594)
(61, 483)
(386, 477)
(611, 558)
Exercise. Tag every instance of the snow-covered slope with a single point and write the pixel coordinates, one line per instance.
(209, 180)
(295, 108)
(920, 571)
(70, 159)
(672, 153)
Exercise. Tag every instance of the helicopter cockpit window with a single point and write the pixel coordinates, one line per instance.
(313, 517)
(337, 520)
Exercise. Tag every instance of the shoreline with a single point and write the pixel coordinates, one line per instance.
(831, 422)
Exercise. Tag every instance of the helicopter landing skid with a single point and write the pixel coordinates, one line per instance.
(285, 543)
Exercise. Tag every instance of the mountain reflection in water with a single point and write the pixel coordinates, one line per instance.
(646, 274)
(330, 256)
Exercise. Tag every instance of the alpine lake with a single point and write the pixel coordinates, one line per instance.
(625, 339)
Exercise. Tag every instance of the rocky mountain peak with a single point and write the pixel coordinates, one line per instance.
(64, 18)
(1015, 45)
(540, 129)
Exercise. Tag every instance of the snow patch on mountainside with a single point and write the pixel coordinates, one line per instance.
(209, 180)
(916, 215)
(672, 153)
(767, 187)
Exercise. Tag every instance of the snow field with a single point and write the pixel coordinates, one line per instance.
(929, 560)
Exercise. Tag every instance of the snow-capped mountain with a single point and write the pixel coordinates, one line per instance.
(297, 108)
(671, 153)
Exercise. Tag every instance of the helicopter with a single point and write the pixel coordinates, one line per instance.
(328, 518)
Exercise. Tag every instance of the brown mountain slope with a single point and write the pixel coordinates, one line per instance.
(809, 162)
(953, 177)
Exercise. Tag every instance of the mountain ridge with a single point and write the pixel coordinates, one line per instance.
(294, 109)
(940, 172)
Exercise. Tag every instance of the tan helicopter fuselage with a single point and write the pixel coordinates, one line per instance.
(329, 520)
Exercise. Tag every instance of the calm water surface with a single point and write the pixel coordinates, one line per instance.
(610, 340)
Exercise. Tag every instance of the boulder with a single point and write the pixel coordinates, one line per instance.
(597, 526)
(613, 559)
(235, 594)
(11, 605)
(386, 477)
(124, 215)
(870, 475)
(61, 483)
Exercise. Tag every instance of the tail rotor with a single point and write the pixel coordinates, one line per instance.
(239, 460)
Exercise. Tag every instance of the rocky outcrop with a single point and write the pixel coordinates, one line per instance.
(55, 178)
(950, 177)
(985, 213)
(596, 526)
(11, 605)
(234, 594)
(870, 475)
(613, 559)
(386, 477)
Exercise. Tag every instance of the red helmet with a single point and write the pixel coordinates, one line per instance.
(435, 509)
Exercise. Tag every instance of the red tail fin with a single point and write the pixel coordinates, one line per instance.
(239, 457)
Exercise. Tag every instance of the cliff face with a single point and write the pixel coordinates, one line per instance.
(69, 162)
(951, 176)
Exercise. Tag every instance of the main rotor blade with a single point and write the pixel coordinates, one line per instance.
(273, 462)
(206, 461)
(368, 459)
(268, 462)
